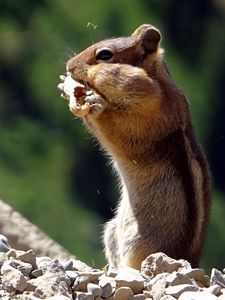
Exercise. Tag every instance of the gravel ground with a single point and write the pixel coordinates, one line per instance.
(48, 271)
(25, 276)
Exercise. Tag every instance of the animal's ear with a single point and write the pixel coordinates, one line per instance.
(149, 37)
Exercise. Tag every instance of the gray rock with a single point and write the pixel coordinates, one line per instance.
(107, 290)
(3, 257)
(162, 276)
(168, 297)
(93, 275)
(197, 296)
(53, 266)
(112, 272)
(147, 294)
(158, 289)
(131, 278)
(108, 285)
(71, 274)
(214, 289)
(177, 290)
(12, 263)
(36, 273)
(218, 278)
(11, 253)
(4, 245)
(109, 298)
(59, 297)
(42, 261)
(28, 257)
(30, 287)
(139, 297)
(83, 296)
(4, 295)
(14, 280)
(198, 275)
(177, 278)
(94, 289)
(123, 293)
(80, 283)
(67, 265)
(51, 284)
(160, 263)
(221, 297)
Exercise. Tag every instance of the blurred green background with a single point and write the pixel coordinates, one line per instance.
(51, 169)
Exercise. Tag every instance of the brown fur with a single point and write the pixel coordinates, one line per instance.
(145, 126)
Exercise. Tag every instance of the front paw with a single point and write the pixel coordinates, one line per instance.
(80, 110)
(92, 104)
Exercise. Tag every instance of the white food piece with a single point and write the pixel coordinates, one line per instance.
(67, 86)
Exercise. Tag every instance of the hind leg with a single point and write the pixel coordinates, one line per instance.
(111, 244)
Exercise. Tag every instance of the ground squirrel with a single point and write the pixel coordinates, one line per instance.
(142, 120)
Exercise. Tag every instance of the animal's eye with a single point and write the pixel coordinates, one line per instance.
(104, 54)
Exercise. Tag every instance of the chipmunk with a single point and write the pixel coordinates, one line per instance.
(143, 122)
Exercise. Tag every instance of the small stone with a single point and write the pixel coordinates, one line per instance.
(36, 273)
(4, 245)
(72, 275)
(197, 296)
(53, 266)
(80, 283)
(5, 295)
(131, 278)
(147, 294)
(30, 287)
(109, 298)
(15, 279)
(42, 261)
(3, 257)
(159, 263)
(158, 277)
(177, 278)
(214, 289)
(67, 265)
(158, 288)
(123, 293)
(94, 289)
(112, 272)
(108, 285)
(100, 298)
(83, 296)
(93, 275)
(198, 275)
(6, 266)
(168, 297)
(11, 253)
(177, 290)
(59, 297)
(139, 297)
(28, 257)
(217, 277)
(51, 284)
(13, 263)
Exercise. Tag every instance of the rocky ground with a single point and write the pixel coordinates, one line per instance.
(48, 271)
(25, 276)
